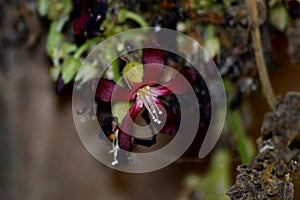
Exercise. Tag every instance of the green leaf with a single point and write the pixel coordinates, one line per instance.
(57, 47)
(68, 47)
(272, 3)
(54, 72)
(211, 43)
(120, 109)
(68, 6)
(55, 9)
(42, 7)
(244, 147)
(87, 72)
(69, 69)
(55, 40)
(122, 15)
(213, 47)
(133, 71)
(215, 183)
(279, 18)
(59, 9)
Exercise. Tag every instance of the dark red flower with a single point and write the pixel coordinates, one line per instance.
(145, 93)
(93, 13)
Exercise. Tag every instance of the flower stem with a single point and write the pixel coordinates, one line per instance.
(259, 58)
(236, 125)
(125, 14)
(116, 72)
(238, 129)
(85, 47)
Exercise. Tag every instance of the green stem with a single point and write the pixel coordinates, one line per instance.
(238, 129)
(115, 69)
(210, 32)
(85, 47)
(125, 14)
(237, 126)
(133, 16)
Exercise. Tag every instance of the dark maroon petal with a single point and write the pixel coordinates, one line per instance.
(106, 89)
(86, 5)
(126, 126)
(60, 85)
(178, 84)
(124, 140)
(153, 61)
(161, 90)
(81, 24)
(130, 117)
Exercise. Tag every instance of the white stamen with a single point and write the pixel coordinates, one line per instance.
(148, 100)
(159, 111)
(98, 17)
(115, 148)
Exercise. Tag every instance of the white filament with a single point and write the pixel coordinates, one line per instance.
(115, 148)
(148, 100)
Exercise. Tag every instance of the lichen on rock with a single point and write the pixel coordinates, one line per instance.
(268, 175)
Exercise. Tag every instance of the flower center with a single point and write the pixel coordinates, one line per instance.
(148, 100)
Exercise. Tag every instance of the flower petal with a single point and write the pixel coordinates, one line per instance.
(128, 121)
(60, 85)
(81, 24)
(126, 126)
(106, 89)
(153, 61)
(124, 140)
(178, 84)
